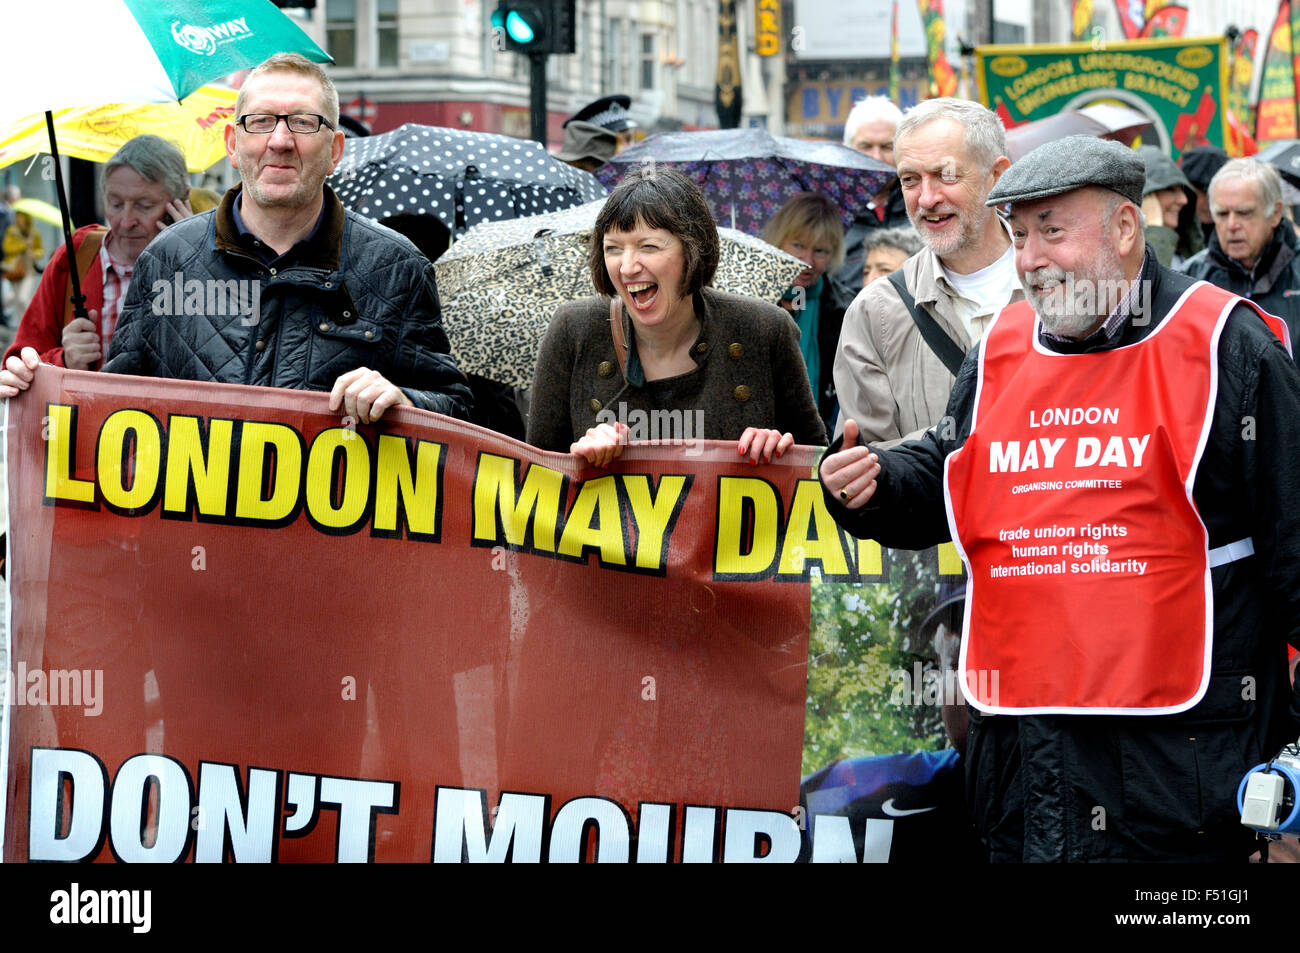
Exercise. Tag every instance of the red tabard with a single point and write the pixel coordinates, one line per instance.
(1071, 505)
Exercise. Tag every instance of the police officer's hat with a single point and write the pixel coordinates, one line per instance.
(608, 111)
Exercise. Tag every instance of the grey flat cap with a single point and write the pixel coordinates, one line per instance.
(1072, 163)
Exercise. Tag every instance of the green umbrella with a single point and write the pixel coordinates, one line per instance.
(65, 53)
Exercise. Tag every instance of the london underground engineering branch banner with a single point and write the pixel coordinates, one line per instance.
(244, 628)
(1179, 84)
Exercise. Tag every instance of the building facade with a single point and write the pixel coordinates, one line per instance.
(437, 62)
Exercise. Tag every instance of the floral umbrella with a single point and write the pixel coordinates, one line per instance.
(747, 174)
(501, 283)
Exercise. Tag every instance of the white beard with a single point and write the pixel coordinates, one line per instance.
(967, 235)
(1078, 300)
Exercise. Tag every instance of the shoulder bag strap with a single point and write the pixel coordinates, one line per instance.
(616, 332)
(947, 350)
(87, 253)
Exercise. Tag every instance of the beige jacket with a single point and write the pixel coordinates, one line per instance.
(886, 377)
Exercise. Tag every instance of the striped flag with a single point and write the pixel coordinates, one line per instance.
(893, 56)
(943, 81)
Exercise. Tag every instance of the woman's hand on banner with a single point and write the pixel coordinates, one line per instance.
(602, 444)
(767, 444)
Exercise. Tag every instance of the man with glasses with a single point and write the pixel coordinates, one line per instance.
(280, 285)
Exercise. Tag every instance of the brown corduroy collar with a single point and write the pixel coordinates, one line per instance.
(322, 250)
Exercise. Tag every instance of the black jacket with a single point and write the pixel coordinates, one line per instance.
(830, 319)
(849, 274)
(355, 294)
(1273, 284)
(1084, 787)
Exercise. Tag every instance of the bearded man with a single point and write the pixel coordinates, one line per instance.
(902, 340)
(1119, 485)
(280, 285)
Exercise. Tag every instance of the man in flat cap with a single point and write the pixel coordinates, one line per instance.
(1121, 484)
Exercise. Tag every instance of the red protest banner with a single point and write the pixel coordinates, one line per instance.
(242, 629)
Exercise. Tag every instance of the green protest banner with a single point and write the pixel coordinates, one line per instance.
(1178, 83)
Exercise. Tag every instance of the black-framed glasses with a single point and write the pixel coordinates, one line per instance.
(261, 124)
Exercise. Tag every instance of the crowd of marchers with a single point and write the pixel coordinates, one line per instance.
(919, 342)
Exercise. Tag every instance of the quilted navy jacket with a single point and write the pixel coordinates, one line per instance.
(203, 307)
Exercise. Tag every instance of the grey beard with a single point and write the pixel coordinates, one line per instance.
(1058, 313)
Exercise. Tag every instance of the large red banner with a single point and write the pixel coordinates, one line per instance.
(243, 628)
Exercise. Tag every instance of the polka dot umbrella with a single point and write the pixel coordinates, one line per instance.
(463, 178)
(500, 284)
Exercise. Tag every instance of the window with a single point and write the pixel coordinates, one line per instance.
(648, 60)
(341, 31)
(386, 28)
(587, 36)
(614, 75)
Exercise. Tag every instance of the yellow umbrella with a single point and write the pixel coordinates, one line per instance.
(196, 125)
(41, 211)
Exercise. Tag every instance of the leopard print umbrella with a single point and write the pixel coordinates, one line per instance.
(501, 283)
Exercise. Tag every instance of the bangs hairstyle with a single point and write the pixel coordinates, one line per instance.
(812, 217)
(655, 196)
(294, 63)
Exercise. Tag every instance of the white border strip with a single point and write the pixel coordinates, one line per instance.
(8, 709)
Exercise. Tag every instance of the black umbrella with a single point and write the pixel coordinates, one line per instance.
(1285, 157)
(463, 178)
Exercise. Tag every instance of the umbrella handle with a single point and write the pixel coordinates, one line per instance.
(543, 259)
(78, 299)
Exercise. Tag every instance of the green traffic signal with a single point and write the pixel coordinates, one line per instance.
(519, 29)
(523, 25)
(535, 26)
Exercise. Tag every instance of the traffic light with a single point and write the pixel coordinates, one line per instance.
(536, 26)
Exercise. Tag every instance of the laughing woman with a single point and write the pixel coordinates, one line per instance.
(658, 338)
